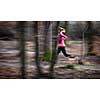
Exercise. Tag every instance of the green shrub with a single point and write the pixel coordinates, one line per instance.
(47, 56)
(73, 66)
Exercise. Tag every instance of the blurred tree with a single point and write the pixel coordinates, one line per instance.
(89, 36)
(54, 51)
(37, 58)
(21, 31)
(47, 41)
(66, 26)
(89, 30)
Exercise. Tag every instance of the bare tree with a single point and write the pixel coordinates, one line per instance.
(89, 36)
(21, 31)
(37, 59)
(47, 40)
(54, 51)
(47, 24)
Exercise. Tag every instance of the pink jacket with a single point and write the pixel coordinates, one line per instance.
(61, 39)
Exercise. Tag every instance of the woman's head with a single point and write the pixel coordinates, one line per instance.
(61, 29)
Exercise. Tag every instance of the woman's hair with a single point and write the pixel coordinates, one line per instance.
(61, 29)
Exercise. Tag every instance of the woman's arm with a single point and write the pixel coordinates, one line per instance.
(65, 36)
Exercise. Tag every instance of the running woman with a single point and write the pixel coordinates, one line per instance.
(61, 44)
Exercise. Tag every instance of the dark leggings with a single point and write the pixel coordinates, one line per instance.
(63, 51)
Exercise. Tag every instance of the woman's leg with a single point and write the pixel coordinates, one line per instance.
(64, 52)
(59, 50)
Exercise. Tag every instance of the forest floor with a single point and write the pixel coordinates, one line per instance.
(59, 73)
(10, 64)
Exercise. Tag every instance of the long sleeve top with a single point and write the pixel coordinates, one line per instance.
(61, 39)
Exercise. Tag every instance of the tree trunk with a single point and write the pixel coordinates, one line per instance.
(37, 58)
(21, 31)
(89, 36)
(54, 52)
(66, 26)
(47, 40)
(46, 35)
